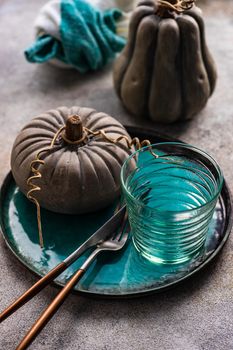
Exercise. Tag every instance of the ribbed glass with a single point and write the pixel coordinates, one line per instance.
(170, 200)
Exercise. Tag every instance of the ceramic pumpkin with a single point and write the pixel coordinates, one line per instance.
(75, 177)
(165, 71)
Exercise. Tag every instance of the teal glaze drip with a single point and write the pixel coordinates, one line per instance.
(172, 207)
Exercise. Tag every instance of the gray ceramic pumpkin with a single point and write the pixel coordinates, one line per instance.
(75, 178)
(165, 71)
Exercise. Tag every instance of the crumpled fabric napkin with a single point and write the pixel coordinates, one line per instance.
(77, 34)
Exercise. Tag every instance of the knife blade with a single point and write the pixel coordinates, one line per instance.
(101, 234)
(104, 232)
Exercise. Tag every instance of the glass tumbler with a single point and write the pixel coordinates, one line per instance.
(171, 198)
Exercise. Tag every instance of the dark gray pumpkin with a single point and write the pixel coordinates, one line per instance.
(165, 71)
(75, 179)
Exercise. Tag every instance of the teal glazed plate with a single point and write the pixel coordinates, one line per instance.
(123, 274)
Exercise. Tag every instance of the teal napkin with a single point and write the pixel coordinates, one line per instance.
(88, 38)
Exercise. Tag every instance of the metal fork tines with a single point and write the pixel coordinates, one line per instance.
(114, 243)
(102, 234)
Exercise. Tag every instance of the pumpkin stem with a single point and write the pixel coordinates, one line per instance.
(166, 7)
(74, 128)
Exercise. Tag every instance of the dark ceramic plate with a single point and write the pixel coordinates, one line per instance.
(123, 274)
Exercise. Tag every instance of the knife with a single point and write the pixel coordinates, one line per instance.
(107, 230)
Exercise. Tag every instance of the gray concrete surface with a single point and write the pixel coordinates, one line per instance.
(196, 316)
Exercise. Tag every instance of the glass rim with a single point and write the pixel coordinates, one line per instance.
(184, 145)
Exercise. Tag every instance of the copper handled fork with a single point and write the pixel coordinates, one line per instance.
(115, 243)
(104, 232)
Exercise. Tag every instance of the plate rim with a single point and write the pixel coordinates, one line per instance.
(226, 198)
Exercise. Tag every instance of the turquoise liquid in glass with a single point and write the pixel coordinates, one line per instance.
(170, 200)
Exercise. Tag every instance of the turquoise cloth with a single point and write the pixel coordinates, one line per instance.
(88, 38)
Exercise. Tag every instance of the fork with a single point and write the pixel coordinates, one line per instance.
(115, 243)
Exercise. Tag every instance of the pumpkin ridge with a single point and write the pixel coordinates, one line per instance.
(111, 166)
(62, 150)
(41, 127)
(40, 167)
(95, 147)
(48, 184)
(60, 115)
(55, 166)
(181, 76)
(136, 82)
(82, 173)
(20, 162)
(116, 126)
(192, 84)
(91, 122)
(87, 114)
(28, 138)
(150, 65)
(83, 156)
(39, 133)
(206, 55)
(62, 153)
(67, 111)
(78, 183)
(113, 129)
(28, 152)
(99, 170)
(165, 84)
(115, 134)
(104, 154)
(47, 119)
(75, 110)
(149, 3)
(21, 152)
(127, 52)
(120, 144)
(94, 163)
(36, 150)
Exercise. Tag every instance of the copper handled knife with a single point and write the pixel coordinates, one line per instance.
(107, 230)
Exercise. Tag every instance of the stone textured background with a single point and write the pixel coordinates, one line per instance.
(196, 316)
